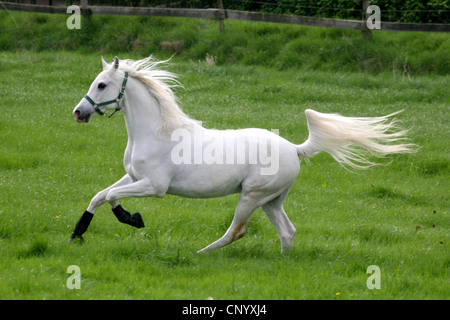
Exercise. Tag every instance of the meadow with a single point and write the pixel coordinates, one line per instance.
(394, 216)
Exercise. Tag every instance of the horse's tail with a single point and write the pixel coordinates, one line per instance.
(349, 140)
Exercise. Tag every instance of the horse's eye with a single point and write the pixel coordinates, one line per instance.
(101, 85)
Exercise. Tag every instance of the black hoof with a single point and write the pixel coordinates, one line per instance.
(81, 227)
(76, 239)
(137, 219)
(124, 216)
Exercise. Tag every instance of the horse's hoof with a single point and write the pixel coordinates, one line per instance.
(137, 219)
(76, 239)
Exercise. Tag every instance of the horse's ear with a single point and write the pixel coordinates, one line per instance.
(104, 64)
(116, 63)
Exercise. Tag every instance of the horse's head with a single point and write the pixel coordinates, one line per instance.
(105, 93)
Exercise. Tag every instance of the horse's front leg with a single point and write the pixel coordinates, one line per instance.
(140, 188)
(96, 202)
(100, 198)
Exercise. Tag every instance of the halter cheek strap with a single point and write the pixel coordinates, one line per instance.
(118, 100)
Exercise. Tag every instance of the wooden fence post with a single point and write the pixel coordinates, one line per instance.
(221, 16)
(84, 6)
(366, 32)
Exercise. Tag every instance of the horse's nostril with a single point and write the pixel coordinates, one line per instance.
(76, 114)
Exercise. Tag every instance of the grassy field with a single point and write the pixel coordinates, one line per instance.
(395, 217)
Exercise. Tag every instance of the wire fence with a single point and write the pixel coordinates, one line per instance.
(393, 10)
(411, 11)
(302, 12)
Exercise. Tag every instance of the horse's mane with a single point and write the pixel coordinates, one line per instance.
(160, 84)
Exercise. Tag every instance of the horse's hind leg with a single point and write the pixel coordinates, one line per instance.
(244, 210)
(276, 214)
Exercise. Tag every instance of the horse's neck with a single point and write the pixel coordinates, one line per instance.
(142, 113)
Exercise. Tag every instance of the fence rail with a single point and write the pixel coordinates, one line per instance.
(222, 14)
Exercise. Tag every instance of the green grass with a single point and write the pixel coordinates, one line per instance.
(396, 217)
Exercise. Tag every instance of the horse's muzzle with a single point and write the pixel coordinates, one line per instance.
(79, 117)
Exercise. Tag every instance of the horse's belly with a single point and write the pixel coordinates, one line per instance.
(208, 181)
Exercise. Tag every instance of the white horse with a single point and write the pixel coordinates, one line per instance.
(168, 152)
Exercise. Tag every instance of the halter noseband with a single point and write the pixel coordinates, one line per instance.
(117, 100)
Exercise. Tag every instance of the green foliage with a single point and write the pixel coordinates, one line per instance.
(247, 43)
(414, 11)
